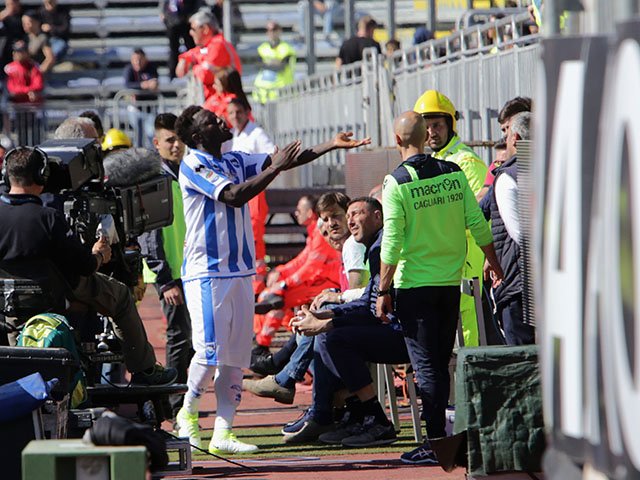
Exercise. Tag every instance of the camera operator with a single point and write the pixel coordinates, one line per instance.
(28, 231)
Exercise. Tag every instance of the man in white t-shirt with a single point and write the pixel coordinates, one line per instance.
(250, 138)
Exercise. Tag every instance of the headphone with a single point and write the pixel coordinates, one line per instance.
(40, 177)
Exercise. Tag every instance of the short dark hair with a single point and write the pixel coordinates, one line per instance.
(240, 103)
(513, 106)
(95, 118)
(139, 51)
(33, 14)
(22, 166)
(165, 121)
(332, 200)
(371, 202)
(185, 127)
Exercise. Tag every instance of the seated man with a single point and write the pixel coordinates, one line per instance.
(350, 335)
(29, 230)
(297, 282)
(332, 208)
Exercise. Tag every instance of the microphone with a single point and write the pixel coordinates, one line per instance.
(124, 168)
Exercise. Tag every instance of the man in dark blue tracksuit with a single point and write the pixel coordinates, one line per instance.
(350, 335)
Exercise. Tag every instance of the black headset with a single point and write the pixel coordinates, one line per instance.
(40, 177)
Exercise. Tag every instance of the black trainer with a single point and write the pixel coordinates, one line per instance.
(263, 365)
(157, 375)
(347, 427)
(372, 434)
(423, 455)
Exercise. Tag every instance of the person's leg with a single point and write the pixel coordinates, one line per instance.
(331, 9)
(179, 351)
(59, 47)
(203, 364)
(233, 332)
(425, 328)
(113, 299)
(516, 332)
(282, 356)
(298, 365)
(173, 34)
(472, 268)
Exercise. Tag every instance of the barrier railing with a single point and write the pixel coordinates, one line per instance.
(479, 68)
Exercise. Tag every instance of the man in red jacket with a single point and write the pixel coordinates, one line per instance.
(211, 53)
(24, 80)
(297, 282)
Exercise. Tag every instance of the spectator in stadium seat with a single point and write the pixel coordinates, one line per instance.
(327, 9)
(10, 31)
(37, 42)
(212, 52)
(24, 79)
(391, 47)
(351, 49)
(6, 144)
(56, 23)
(140, 73)
(175, 16)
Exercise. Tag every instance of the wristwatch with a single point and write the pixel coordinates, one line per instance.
(384, 292)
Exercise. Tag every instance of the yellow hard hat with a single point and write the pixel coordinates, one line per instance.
(432, 102)
(115, 138)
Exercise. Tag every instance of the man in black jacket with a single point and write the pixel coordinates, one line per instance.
(29, 231)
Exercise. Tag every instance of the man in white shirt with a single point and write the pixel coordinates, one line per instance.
(506, 231)
(250, 138)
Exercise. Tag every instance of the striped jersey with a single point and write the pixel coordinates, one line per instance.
(219, 238)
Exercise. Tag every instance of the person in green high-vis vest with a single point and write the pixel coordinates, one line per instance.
(278, 65)
(163, 253)
(441, 116)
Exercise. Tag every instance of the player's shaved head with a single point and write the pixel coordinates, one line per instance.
(410, 129)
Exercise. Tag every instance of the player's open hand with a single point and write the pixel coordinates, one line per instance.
(344, 140)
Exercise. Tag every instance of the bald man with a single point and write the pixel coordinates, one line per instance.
(427, 206)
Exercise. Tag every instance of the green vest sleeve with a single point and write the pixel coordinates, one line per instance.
(394, 222)
(475, 220)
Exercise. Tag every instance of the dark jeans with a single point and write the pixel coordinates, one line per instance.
(429, 318)
(175, 33)
(511, 315)
(350, 348)
(179, 350)
(325, 383)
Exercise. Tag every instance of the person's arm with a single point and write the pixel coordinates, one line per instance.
(69, 251)
(392, 242)
(506, 191)
(49, 59)
(341, 141)
(129, 78)
(237, 195)
(475, 170)
(37, 81)
(152, 250)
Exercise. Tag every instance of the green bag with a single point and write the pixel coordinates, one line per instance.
(50, 330)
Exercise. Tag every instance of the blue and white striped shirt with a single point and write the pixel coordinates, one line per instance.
(219, 238)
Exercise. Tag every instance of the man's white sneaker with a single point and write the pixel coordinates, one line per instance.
(227, 443)
(188, 427)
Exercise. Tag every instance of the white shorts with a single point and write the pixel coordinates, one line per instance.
(221, 311)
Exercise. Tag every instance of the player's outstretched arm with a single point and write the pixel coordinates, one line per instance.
(238, 195)
(342, 140)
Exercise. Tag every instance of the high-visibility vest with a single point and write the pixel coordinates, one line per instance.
(269, 81)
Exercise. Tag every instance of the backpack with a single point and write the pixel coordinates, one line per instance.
(50, 330)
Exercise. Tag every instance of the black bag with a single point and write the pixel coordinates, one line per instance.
(110, 429)
(31, 287)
